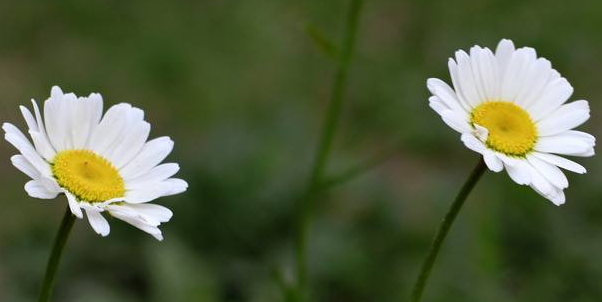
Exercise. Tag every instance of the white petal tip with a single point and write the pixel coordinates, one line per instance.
(558, 202)
(559, 199)
(430, 82)
(481, 132)
(56, 91)
(495, 169)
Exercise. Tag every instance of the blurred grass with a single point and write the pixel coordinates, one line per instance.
(242, 88)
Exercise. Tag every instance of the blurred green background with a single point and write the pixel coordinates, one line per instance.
(242, 89)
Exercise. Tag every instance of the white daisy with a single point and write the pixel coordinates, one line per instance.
(510, 107)
(102, 164)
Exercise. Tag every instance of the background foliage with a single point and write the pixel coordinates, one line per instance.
(241, 87)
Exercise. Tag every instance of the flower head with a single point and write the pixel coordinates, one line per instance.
(510, 107)
(101, 163)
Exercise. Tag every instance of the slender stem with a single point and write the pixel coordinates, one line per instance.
(443, 230)
(325, 144)
(55, 256)
(357, 170)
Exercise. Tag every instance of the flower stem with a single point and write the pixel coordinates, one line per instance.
(55, 256)
(358, 170)
(328, 130)
(443, 230)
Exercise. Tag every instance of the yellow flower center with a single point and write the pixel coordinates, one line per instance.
(511, 130)
(88, 176)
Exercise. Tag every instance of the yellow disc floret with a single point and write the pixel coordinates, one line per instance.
(87, 175)
(511, 129)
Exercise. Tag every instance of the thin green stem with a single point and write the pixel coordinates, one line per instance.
(325, 144)
(443, 230)
(55, 256)
(357, 170)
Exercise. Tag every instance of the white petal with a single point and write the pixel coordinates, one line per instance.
(571, 142)
(457, 121)
(18, 140)
(445, 93)
(177, 186)
(38, 189)
(503, 52)
(42, 145)
(43, 142)
(539, 182)
(29, 119)
(531, 80)
(21, 163)
(98, 222)
(157, 174)
(560, 162)
(566, 117)
(455, 77)
(519, 173)
(555, 94)
(479, 84)
(472, 143)
(437, 105)
(510, 161)
(52, 113)
(555, 195)
(467, 83)
(514, 78)
(152, 154)
(484, 67)
(539, 74)
(131, 144)
(558, 198)
(13, 130)
(493, 162)
(152, 212)
(147, 192)
(481, 132)
(110, 128)
(50, 184)
(130, 139)
(136, 221)
(58, 119)
(549, 171)
(74, 205)
(85, 117)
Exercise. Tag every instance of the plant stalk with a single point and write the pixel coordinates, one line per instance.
(305, 203)
(55, 256)
(443, 230)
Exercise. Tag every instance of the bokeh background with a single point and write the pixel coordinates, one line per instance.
(242, 88)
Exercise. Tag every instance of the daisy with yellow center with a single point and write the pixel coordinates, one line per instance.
(101, 163)
(510, 107)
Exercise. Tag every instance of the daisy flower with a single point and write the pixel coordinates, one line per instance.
(510, 106)
(101, 163)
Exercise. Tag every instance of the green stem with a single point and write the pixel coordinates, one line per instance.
(55, 256)
(325, 145)
(358, 170)
(443, 230)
